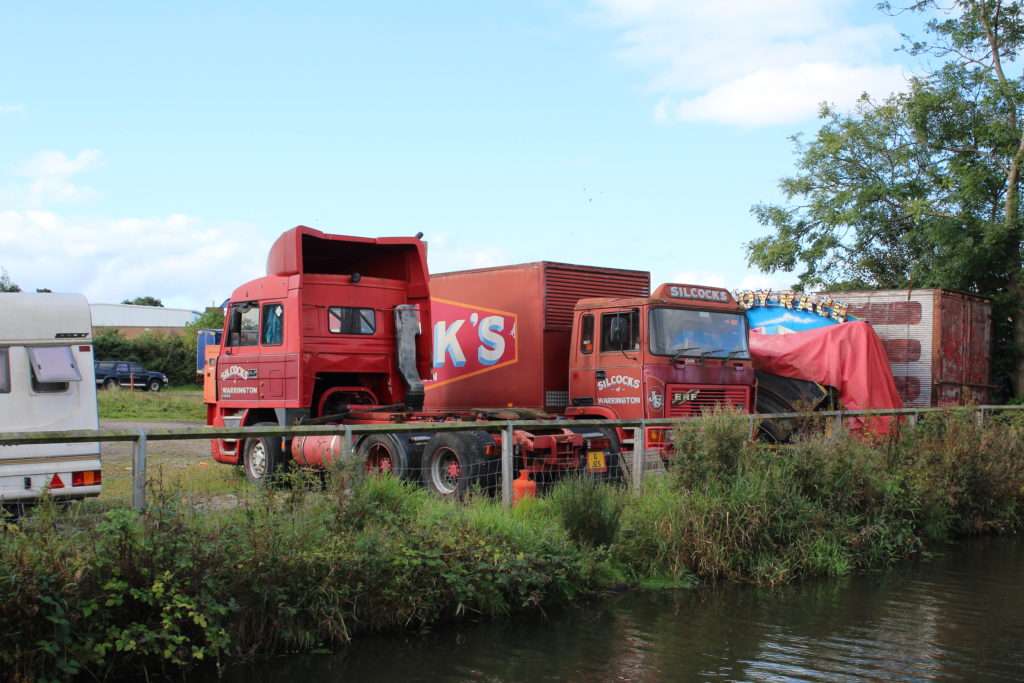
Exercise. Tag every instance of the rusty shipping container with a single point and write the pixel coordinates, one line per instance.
(939, 342)
(501, 335)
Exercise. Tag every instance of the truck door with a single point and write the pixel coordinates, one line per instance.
(237, 366)
(617, 373)
(272, 364)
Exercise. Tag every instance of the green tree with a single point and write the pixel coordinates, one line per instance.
(5, 282)
(922, 188)
(143, 301)
(211, 319)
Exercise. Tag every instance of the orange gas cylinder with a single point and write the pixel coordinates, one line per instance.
(523, 487)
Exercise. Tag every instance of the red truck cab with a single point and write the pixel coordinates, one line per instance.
(671, 355)
(334, 323)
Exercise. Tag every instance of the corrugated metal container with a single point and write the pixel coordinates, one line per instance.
(938, 341)
(501, 335)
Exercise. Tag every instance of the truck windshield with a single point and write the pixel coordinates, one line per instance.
(685, 332)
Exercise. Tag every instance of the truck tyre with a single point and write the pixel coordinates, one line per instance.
(110, 383)
(384, 454)
(262, 458)
(453, 462)
(154, 385)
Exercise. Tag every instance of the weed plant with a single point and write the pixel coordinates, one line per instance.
(330, 558)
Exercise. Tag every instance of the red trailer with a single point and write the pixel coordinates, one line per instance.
(501, 335)
(938, 342)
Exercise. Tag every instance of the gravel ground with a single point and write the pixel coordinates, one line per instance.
(191, 450)
(180, 460)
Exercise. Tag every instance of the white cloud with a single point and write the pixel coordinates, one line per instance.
(52, 164)
(48, 180)
(178, 259)
(11, 108)
(773, 96)
(750, 62)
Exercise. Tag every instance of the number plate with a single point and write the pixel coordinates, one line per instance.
(595, 461)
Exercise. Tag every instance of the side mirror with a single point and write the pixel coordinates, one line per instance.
(617, 332)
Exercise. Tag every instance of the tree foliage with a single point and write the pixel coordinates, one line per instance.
(5, 282)
(172, 354)
(921, 188)
(144, 301)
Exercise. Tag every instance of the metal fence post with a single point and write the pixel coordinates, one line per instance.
(981, 415)
(139, 471)
(506, 468)
(346, 447)
(639, 443)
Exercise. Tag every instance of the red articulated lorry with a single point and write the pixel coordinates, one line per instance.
(339, 332)
(585, 342)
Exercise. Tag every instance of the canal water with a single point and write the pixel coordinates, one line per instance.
(956, 616)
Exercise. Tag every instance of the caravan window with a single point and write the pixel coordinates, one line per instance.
(5, 371)
(52, 368)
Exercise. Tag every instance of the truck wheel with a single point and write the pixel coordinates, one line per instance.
(453, 462)
(110, 383)
(384, 454)
(263, 460)
(155, 385)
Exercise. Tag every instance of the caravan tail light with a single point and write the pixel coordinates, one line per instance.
(87, 478)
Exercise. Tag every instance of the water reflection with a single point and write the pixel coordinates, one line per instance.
(955, 617)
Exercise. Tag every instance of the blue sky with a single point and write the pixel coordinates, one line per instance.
(159, 149)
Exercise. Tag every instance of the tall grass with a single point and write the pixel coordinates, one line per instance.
(826, 505)
(320, 563)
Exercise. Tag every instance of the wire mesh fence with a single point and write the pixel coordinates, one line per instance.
(505, 460)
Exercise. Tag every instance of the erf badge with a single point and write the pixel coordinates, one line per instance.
(655, 399)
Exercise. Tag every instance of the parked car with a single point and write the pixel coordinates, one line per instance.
(114, 373)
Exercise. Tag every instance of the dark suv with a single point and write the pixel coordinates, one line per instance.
(114, 373)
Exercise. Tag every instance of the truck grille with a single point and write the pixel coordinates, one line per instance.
(690, 400)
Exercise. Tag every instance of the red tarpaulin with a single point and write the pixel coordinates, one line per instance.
(849, 357)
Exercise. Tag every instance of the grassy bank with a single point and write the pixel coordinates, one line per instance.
(169, 405)
(314, 567)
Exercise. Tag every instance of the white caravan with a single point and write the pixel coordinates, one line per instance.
(47, 384)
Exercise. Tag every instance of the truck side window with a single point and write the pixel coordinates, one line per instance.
(53, 367)
(245, 324)
(5, 371)
(620, 331)
(273, 325)
(345, 320)
(587, 334)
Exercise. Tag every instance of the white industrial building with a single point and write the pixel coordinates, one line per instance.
(134, 320)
